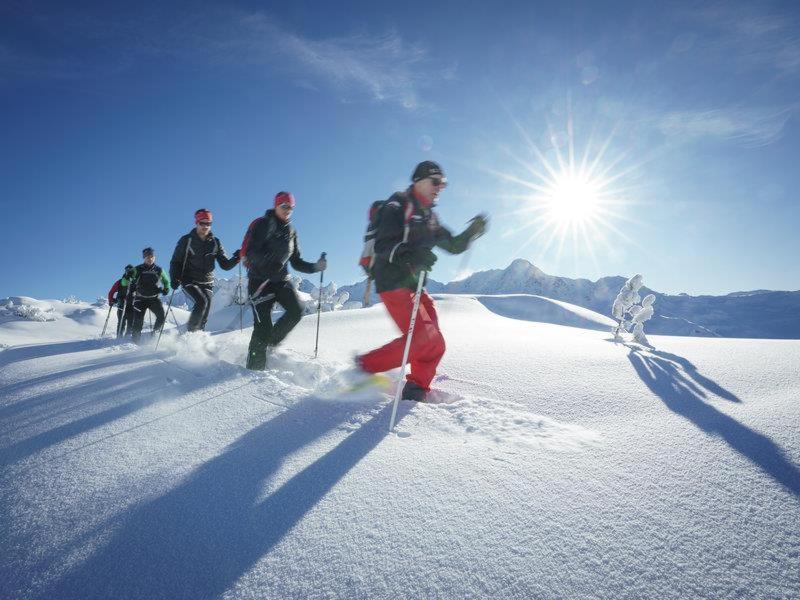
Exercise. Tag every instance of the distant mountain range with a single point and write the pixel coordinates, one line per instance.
(753, 314)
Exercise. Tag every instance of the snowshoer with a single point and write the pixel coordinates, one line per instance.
(269, 244)
(145, 291)
(407, 231)
(192, 266)
(118, 294)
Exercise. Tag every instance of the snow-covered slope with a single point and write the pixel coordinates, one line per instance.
(553, 463)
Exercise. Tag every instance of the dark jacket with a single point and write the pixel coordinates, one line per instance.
(144, 283)
(268, 246)
(424, 230)
(200, 256)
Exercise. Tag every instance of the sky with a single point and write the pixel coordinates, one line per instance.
(601, 138)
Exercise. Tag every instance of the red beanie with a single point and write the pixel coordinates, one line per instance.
(284, 198)
(203, 215)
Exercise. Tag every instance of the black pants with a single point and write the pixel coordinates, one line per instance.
(124, 320)
(264, 332)
(201, 294)
(140, 306)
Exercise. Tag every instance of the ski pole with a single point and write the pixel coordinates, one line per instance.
(319, 307)
(110, 306)
(240, 300)
(367, 289)
(169, 306)
(408, 347)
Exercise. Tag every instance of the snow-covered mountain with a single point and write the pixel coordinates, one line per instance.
(756, 314)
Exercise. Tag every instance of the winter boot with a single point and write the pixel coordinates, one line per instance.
(411, 391)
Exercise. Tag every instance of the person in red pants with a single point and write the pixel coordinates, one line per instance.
(407, 230)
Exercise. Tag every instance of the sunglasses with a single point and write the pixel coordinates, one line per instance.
(204, 223)
(286, 206)
(438, 182)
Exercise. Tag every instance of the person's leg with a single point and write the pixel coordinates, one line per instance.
(428, 348)
(158, 310)
(199, 308)
(398, 304)
(208, 293)
(262, 328)
(287, 298)
(120, 322)
(137, 320)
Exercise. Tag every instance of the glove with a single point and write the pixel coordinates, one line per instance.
(321, 264)
(165, 291)
(174, 284)
(417, 259)
(237, 254)
(477, 227)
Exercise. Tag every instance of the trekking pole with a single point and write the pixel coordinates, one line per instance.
(319, 307)
(408, 347)
(367, 289)
(110, 306)
(240, 299)
(169, 306)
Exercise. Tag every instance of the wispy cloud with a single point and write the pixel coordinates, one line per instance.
(380, 67)
(752, 36)
(749, 127)
(384, 67)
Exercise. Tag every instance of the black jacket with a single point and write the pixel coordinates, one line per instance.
(268, 246)
(424, 230)
(200, 256)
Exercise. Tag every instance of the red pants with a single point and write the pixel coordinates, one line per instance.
(427, 342)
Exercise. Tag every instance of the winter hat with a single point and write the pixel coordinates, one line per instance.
(427, 168)
(148, 252)
(202, 214)
(284, 198)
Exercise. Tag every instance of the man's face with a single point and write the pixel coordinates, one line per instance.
(149, 259)
(284, 211)
(203, 227)
(430, 187)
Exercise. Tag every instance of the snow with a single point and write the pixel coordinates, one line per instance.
(552, 462)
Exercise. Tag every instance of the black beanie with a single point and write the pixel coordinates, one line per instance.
(148, 252)
(427, 168)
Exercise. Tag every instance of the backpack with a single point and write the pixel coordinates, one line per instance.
(246, 241)
(368, 252)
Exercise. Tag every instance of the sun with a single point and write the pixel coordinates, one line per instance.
(573, 199)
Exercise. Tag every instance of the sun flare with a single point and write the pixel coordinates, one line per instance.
(573, 199)
(574, 196)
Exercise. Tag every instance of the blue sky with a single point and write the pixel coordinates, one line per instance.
(118, 121)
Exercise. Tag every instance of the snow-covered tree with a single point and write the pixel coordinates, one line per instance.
(631, 311)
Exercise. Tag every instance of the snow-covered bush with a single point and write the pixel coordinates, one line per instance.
(631, 311)
(34, 313)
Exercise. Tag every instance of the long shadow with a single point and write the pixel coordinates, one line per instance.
(18, 353)
(89, 393)
(681, 396)
(197, 540)
(117, 396)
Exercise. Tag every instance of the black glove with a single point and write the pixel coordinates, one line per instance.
(418, 259)
(165, 291)
(237, 254)
(322, 263)
(175, 284)
(477, 227)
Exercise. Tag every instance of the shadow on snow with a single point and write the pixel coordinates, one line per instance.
(198, 539)
(679, 385)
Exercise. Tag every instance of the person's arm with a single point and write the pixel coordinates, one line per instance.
(177, 263)
(225, 263)
(456, 244)
(164, 281)
(389, 230)
(113, 291)
(298, 264)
